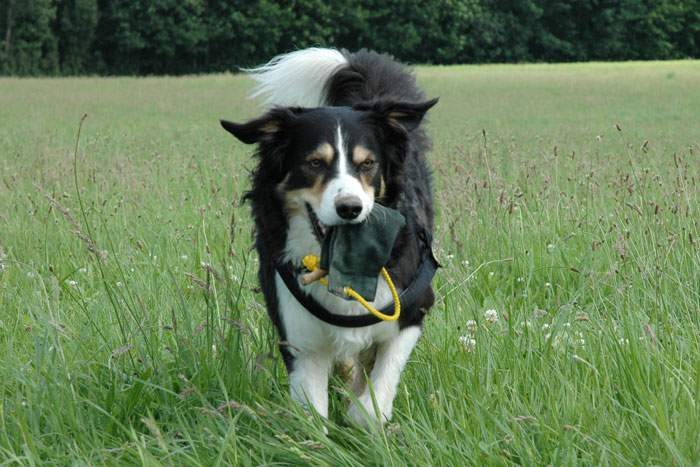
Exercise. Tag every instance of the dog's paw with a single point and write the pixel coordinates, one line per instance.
(363, 414)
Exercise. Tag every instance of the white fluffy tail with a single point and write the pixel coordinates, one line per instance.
(297, 78)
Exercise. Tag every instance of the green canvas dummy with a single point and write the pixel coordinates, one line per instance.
(354, 254)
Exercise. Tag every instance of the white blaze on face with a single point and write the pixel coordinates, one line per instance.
(343, 184)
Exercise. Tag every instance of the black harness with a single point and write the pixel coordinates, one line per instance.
(408, 297)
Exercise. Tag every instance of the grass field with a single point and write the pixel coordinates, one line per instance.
(131, 331)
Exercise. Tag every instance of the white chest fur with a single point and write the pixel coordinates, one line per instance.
(305, 332)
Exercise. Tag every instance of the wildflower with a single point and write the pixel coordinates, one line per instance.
(545, 326)
(119, 284)
(471, 326)
(491, 316)
(468, 343)
(465, 263)
(82, 270)
(550, 247)
(30, 274)
(491, 274)
(623, 341)
(548, 285)
(521, 279)
(433, 400)
(183, 257)
(72, 283)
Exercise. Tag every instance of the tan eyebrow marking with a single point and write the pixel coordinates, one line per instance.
(324, 152)
(360, 154)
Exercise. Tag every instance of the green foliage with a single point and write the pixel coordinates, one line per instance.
(151, 36)
(177, 37)
(30, 46)
(76, 21)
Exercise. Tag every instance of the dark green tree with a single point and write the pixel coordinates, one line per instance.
(151, 36)
(29, 46)
(76, 22)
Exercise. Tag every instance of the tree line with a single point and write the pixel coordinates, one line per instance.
(137, 37)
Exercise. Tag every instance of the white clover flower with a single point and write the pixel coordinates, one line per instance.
(119, 284)
(623, 341)
(545, 326)
(491, 316)
(82, 270)
(521, 279)
(550, 247)
(491, 274)
(30, 274)
(548, 285)
(468, 343)
(72, 283)
(183, 257)
(465, 263)
(471, 326)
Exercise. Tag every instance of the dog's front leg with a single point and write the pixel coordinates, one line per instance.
(384, 380)
(308, 380)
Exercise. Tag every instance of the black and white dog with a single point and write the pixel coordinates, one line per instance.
(343, 132)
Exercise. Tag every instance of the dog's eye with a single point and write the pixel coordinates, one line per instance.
(314, 163)
(367, 165)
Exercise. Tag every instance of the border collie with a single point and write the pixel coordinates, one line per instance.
(343, 132)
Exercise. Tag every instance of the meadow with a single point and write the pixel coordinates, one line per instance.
(132, 330)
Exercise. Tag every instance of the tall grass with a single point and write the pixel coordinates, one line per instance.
(132, 330)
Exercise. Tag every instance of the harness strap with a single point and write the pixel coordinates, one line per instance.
(408, 297)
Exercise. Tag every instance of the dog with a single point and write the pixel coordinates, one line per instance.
(343, 131)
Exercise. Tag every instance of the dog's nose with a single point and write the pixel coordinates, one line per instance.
(348, 207)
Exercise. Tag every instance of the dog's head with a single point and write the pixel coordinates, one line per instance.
(335, 160)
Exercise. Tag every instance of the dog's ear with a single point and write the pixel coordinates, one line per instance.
(401, 116)
(270, 126)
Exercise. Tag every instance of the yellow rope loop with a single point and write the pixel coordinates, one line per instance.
(312, 262)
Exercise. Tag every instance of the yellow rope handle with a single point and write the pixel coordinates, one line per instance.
(312, 262)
